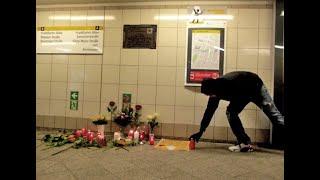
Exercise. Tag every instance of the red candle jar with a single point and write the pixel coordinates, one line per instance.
(130, 134)
(147, 132)
(142, 135)
(78, 133)
(151, 139)
(192, 144)
(90, 136)
(101, 140)
(84, 132)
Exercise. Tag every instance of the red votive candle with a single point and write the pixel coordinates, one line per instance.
(130, 134)
(90, 136)
(151, 139)
(78, 133)
(84, 132)
(142, 136)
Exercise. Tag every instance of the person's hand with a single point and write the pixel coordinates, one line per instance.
(196, 136)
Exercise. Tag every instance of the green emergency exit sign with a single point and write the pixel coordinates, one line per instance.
(74, 97)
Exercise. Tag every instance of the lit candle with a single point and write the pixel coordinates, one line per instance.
(136, 136)
(101, 139)
(116, 136)
(142, 136)
(78, 133)
(84, 132)
(90, 136)
(151, 139)
(130, 134)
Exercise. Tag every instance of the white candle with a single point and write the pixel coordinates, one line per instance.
(136, 136)
(116, 136)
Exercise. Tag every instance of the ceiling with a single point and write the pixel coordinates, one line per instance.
(53, 2)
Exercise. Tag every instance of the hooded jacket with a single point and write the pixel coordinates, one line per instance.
(233, 85)
(238, 86)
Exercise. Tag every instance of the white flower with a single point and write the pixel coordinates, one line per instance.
(149, 117)
(155, 115)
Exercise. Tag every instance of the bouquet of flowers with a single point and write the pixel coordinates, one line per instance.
(152, 121)
(99, 119)
(137, 115)
(125, 117)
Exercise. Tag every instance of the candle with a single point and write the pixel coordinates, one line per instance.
(136, 136)
(116, 136)
(192, 144)
(151, 139)
(90, 136)
(84, 132)
(147, 132)
(78, 133)
(142, 136)
(101, 140)
(130, 134)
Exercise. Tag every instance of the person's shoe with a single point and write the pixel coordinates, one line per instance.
(241, 148)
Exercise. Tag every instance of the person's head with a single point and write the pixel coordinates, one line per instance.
(209, 86)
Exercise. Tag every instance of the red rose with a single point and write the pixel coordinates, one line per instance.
(111, 103)
(138, 107)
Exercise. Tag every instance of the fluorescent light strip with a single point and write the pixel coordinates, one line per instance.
(279, 47)
(81, 18)
(161, 3)
(282, 13)
(187, 17)
(219, 48)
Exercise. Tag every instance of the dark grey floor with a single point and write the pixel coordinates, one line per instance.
(208, 161)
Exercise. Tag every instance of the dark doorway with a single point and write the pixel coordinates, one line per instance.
(277, 136)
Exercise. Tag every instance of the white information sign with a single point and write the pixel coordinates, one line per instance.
(70, 39)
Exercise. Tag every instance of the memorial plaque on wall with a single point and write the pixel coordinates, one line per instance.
(140, 36)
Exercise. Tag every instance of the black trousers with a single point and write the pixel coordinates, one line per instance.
(264, 102)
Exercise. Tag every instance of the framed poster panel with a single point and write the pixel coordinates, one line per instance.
(205, 54)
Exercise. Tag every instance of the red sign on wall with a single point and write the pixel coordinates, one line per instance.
(198, 76)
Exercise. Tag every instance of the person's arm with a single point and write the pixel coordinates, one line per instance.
(211, 108)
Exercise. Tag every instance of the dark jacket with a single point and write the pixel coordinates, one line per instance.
(237, 86)
(233, 85)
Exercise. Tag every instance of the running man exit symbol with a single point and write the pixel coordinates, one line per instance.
(74, 95)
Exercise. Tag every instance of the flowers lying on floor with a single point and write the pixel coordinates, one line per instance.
(79, 138)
